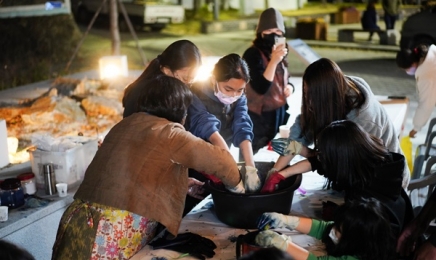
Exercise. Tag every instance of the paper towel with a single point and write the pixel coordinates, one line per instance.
(4, 155)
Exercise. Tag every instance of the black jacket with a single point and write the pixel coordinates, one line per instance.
(386, 187)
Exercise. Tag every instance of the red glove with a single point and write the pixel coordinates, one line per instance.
(271, 183)
(211, 177)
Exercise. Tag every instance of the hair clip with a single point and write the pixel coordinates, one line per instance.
(415, 50)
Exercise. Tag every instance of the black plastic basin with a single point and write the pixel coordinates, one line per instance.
(244, 210)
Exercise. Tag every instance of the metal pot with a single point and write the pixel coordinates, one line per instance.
(244, 210)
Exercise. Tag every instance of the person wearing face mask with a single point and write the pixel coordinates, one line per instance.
(360, 165)
(268, 89)
(360, 230)
(223, 96)
(180, 60)
(421, 63)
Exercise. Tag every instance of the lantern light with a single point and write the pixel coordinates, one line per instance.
(113, 66)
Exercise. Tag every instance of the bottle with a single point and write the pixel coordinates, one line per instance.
(49, 179)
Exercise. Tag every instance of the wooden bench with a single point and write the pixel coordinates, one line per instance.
(347, 35)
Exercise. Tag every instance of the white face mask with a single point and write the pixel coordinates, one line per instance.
(223, 98)
(333, 236)
(411, 71)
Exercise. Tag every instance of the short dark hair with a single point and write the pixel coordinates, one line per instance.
(166, 97)
(231, 66)
(349, 155)
(365, 230)
(270, 253)
(406, 57)
(10, 251)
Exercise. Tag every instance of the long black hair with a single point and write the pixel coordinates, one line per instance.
(365, 231)
(406, 57)
(328, 95)
(349, 155)
(178, 55)
(168, 98)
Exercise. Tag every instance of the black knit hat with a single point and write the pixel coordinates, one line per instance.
(269, 19)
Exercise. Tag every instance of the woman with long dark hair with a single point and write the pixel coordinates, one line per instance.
(180, 60)
(359, 164)
(328, 96)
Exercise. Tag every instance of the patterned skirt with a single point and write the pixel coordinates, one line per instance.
(93, 231)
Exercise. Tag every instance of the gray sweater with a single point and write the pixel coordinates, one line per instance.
(372, 117)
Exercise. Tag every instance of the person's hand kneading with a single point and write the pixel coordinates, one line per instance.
(272, 181)
(269, 238)
(238, 188)
(277, 220)
(252, 182)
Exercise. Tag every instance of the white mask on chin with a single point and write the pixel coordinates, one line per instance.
(411, 71)
(333, 236)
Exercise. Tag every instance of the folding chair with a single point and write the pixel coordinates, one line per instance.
(430, 128)
(428, 180)
(423, 152)
(420, 190)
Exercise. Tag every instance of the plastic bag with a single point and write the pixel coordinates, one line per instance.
(406, 146)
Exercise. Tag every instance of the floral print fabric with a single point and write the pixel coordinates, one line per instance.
(121, 234)
(93, 231)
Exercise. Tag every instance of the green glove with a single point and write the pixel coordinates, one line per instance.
(270, 238)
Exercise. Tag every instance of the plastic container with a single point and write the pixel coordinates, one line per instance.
(69, 166)
(28, 182)
(12, 194)
(244, 210)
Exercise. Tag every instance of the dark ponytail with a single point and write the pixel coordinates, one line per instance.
(406, 57)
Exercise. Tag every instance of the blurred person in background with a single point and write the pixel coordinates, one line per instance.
(392, 11)
(420, 62)
(268, 89)
(369, 19)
